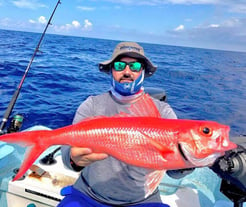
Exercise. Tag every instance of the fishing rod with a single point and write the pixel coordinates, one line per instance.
(17, 91)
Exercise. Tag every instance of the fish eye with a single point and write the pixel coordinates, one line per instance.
(206, 130)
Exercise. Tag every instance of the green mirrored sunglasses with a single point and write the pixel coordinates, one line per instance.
(134, 66)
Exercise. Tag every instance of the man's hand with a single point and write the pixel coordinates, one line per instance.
(84, 156)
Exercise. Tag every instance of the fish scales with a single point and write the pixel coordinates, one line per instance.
(128, 140)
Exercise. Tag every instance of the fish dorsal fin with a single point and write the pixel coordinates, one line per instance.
(144, 107)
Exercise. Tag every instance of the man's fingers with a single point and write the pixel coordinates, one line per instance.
(78, 151)
(85, 156)
(90, 158)
(95, 156)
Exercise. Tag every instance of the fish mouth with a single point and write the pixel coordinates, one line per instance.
(199, 162)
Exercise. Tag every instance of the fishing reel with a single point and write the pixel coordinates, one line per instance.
(15, 124)
(232, 169)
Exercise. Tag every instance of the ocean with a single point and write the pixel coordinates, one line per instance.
(200, 84)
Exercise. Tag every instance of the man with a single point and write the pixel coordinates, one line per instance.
(104, 180)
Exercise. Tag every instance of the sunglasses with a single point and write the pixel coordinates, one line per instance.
(134, 66)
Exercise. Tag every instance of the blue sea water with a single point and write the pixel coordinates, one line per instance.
(200, 83)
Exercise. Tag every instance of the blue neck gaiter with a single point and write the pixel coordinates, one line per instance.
(127, 89)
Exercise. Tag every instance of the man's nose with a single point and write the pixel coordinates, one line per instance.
(127, 69)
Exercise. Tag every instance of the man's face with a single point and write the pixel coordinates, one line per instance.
(126, 75)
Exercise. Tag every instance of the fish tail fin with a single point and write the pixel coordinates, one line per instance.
(30, 158)
(33, 139)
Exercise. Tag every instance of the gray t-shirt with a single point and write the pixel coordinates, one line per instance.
(111, 181)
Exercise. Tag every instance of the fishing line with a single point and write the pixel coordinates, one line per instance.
(17, 91)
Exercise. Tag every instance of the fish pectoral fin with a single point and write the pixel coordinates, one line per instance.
(30, 157)
(153, 179)
(163, 149)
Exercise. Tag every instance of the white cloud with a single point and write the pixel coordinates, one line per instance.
(228, 35)
(193, 1)
(237, 8)
(66, 27)
(30, 25)
(214, 25)
(5, 22)
(76, 24)
(179, 28)
(28, 4)
(32, 21)
(84, 8)
(161, 2)
(229, 5)
(87, 24)
(233, 22)
(42, 20)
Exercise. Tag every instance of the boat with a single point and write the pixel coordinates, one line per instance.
(5, 151)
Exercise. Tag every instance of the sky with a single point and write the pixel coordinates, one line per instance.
(213, 24)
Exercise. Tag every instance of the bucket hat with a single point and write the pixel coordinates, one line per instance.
(130, 49)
